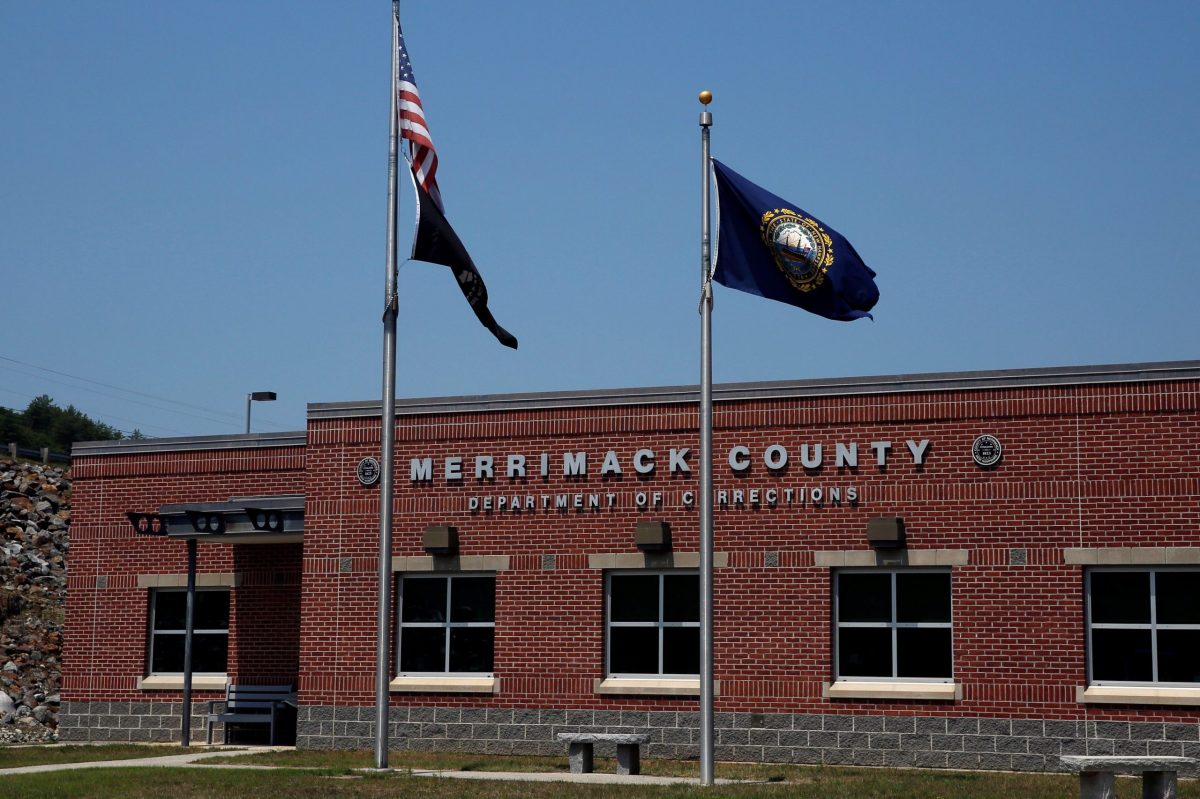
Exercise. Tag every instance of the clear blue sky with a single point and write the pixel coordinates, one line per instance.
(192, 194)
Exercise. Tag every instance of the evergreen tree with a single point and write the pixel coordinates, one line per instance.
(44, 424)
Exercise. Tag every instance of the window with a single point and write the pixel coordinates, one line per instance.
(447, 624)
(210, 631)
(653, 625)
(893, 625)
(1143, 626)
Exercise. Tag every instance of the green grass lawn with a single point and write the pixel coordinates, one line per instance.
(822, 783)
(332, 776)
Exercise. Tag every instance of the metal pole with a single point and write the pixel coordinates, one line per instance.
(248, 414)
(185, 738)
(382, 674)
(706, 478)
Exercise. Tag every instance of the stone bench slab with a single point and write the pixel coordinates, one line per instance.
(604, 738)
(1097, 774)
(1126, 764)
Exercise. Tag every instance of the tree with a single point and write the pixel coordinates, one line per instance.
(44, 424)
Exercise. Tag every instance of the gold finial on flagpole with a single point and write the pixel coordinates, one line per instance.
(706, 97)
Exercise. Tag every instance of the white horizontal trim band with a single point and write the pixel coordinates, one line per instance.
(665, 686)
(445, 685)
(203, 580)
(1135, 695)
(174, 682)
(849, 689)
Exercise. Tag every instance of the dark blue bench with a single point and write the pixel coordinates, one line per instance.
(253, 704)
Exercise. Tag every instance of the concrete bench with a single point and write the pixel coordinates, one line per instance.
(629, 760)
(1097, 774)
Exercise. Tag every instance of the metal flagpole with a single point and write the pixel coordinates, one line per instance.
(706, 478)
(189, 630)
(389, 426)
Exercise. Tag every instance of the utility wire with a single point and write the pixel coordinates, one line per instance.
(118, 398)
(229, 414)
(258, 419)
(137, 425)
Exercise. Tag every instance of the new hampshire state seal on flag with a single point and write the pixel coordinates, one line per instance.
(773, 248)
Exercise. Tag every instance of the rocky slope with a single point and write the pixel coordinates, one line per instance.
(34, 518)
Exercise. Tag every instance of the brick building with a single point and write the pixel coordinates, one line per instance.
(1028, 588)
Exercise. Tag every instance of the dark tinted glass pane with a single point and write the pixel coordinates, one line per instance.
(170, 608)
(1120, 597)
(1179, 655)
(681, 650)
(209, 652)
(423, 649)
(922, 597)
(212, 610)
(473, 599)
(634, 650)
(1177, 595)
(864, 652)
(471, 648)
(681, 597)
(1121, 655)
(923, 653)
(424, 600)
(167, 654)
(865, 597)
(634, 597)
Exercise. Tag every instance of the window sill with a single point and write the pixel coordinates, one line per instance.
(1136, 695)
(930, 691)
(174, 682)
(445, 685)
(652, 686)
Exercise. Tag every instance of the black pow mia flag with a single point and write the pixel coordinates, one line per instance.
(437, 243)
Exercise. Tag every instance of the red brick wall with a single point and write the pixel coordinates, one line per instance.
(104, 648)
(1092, 466)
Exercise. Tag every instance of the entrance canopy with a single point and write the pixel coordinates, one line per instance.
(240, 520)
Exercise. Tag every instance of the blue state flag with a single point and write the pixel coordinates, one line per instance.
(773, 248)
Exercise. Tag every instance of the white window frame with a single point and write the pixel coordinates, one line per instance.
(1153, 626)
(659, 625)
(446, 625)
(154, 594)
(891, 624)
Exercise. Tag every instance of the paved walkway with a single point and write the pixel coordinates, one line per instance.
(161, 760)
(594, 778)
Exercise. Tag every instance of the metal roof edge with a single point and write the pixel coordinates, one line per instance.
(189, 443)
(781, 389)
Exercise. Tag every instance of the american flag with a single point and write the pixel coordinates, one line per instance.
(422, 156)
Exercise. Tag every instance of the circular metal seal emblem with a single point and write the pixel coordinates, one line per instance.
(368, 471)
(986, 450)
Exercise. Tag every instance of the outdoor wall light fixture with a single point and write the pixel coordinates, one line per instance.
(653, 536)
(268, 521)
(205, 522)
(147, 523)
(886, 532)
(440, 540)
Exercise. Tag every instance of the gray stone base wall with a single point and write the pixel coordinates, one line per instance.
(925, 742)
(159, 722)
(921, 741)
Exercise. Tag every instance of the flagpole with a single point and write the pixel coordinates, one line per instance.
(706, 478)
(388, 424)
